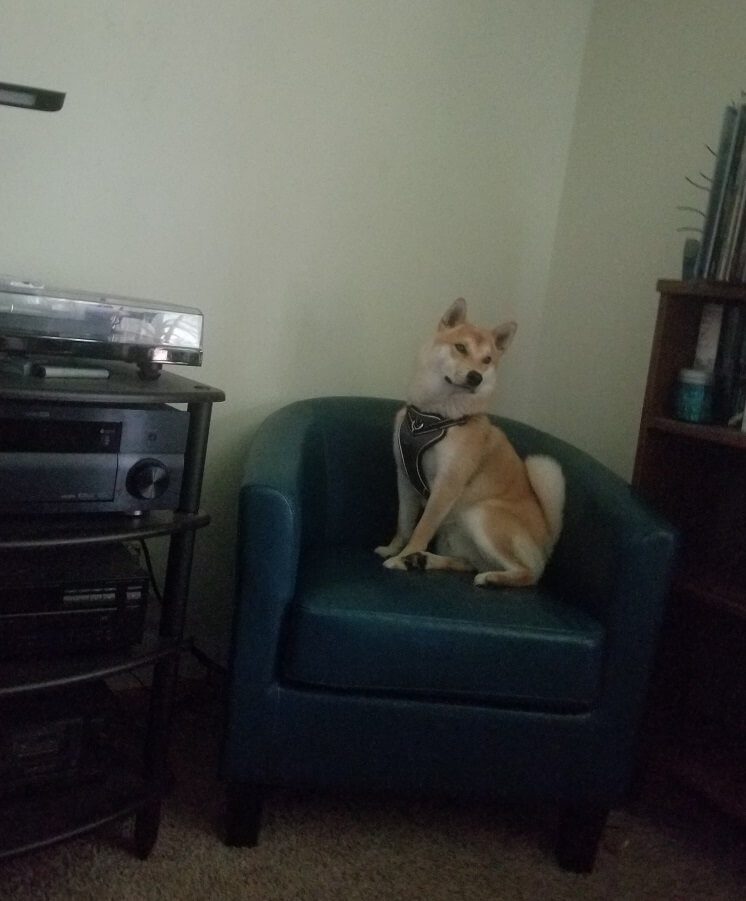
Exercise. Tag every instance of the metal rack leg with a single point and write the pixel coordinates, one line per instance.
(155, 763)
(165, 673)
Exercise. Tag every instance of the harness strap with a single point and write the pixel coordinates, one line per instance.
(419, 431)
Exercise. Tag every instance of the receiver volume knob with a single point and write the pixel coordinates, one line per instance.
(148, 479)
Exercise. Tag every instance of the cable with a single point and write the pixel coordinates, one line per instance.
(208, 663)
(151, 573)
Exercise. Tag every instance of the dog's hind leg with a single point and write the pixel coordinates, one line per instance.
(507, 545)
(516, 576)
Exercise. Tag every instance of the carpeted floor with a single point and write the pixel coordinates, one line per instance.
(668, 846)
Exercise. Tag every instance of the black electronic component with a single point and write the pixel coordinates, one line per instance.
(55, 600)
(56, 737)
(57, 458)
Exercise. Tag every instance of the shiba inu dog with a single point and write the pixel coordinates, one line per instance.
(462, 485)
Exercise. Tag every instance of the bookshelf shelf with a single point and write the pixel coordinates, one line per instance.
(699, 288)
(715, 434)
(695, 476)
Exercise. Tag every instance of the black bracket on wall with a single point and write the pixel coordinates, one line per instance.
(30, 98)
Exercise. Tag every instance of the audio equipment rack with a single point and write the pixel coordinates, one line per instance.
(36, 820)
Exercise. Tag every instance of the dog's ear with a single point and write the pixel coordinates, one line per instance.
(503, 335)
(454, 315)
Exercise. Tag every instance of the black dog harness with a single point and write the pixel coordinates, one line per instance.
(419, 431)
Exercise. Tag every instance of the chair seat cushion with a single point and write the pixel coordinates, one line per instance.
(356, 626)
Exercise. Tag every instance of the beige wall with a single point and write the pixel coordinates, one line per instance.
(320, 178)
(655, 79)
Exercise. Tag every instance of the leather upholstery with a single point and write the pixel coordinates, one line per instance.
(355, 626)
(346, 674)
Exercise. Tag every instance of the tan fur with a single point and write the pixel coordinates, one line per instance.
(487, 511)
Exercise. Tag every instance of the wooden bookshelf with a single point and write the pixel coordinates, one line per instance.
(695, 476)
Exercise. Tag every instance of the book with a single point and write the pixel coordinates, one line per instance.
(709, 336)
(726, 374)
(736, 250)
(731, 222)
(724, 212)
(738, 402)
(689, 259)
(714, 204)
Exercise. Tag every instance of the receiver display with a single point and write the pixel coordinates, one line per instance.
(59, 436)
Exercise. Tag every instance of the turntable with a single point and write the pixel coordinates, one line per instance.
(37, 319)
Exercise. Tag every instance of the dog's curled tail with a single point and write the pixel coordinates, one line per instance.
(547, 480)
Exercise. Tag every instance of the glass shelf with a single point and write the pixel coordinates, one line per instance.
(122, 387)
(91, 528)
(40, 819)
(18, 676)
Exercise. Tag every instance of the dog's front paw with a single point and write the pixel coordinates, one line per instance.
(385, 550)
(416, 560)
(389, 550)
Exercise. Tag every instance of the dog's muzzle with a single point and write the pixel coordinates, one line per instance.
(472, 381)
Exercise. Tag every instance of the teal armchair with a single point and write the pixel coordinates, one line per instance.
(348, 676)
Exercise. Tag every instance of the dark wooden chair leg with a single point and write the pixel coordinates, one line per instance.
(244, 814)
(147, 822)
(578, 837)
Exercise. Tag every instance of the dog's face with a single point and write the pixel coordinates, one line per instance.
(463, 358)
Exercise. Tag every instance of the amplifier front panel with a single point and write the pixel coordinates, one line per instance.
(35, 480)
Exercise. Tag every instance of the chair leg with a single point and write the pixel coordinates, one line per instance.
(578, 837)
(244, 814)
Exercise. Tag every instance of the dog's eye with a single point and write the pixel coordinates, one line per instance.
(460, 348)
(487, 361)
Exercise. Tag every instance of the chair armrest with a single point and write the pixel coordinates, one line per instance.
(614, 558)
(270, 518)
(302, 488)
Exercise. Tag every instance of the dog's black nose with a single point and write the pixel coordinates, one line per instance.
(473, 378)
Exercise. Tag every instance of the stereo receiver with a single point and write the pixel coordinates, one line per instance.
(60, 458)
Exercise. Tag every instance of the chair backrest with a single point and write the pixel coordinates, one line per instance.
(351, 471)
(586, 480)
